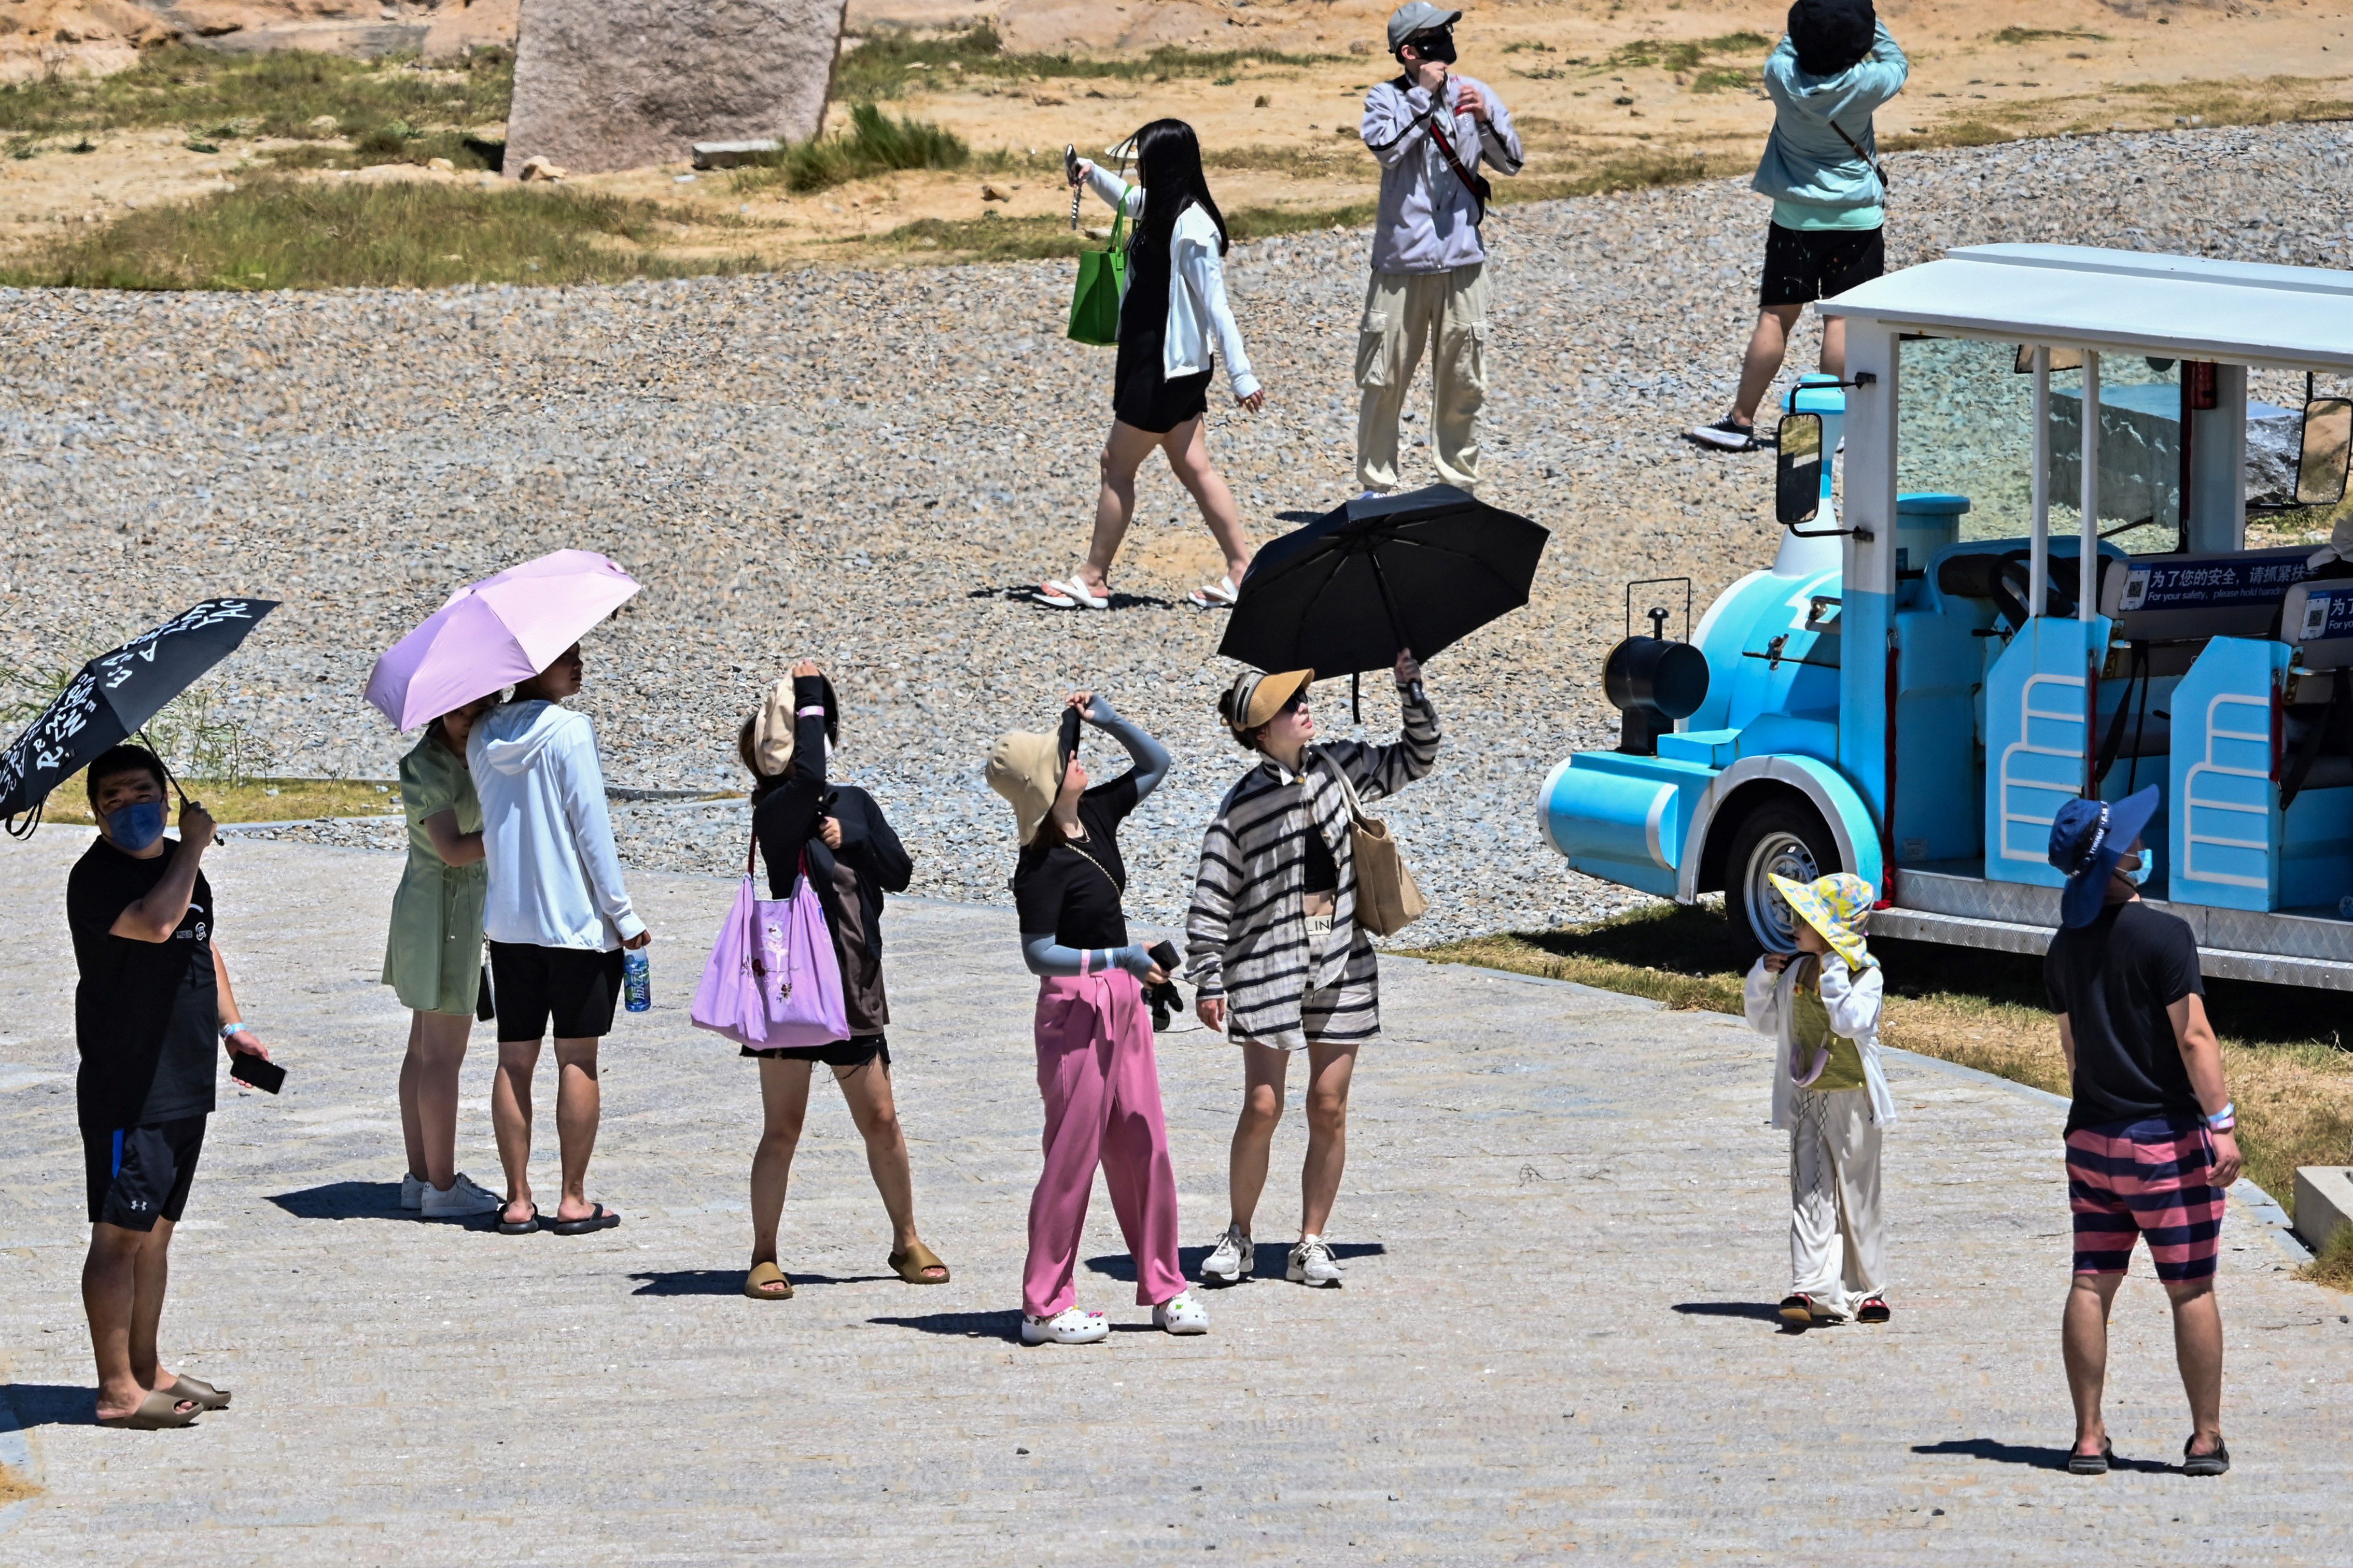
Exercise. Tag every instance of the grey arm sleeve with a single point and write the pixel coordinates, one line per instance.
(1044, 955)
(1151, 758)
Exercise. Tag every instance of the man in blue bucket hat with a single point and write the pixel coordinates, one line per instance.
(2150, 1143)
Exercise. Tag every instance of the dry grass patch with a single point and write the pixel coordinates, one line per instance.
(15, 1488)
(2283, 1049)
(254, 800)
(2334, 1266)
(285, 233)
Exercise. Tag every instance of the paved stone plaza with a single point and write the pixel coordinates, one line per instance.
(1563, 1226)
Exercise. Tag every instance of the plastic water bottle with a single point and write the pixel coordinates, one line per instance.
(637, 981)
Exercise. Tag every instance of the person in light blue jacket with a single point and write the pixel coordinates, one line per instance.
(1834, 68)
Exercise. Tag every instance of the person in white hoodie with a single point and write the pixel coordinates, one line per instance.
(1821, 1005)
(1174, 323)
(557, 917)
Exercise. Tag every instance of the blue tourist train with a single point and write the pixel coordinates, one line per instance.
(2016, 568)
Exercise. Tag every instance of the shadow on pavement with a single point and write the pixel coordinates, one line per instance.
(1763, 1311)
(2036, 1458)
(963, 1325)
(344, 1200)
(50, 1403)
(729, 1281)
(1274, 1258)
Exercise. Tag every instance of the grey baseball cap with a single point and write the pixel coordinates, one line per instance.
(1416, 16)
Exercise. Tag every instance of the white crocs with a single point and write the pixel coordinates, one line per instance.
(1068, 1327)
(1180, 1314)
(1230, 1261)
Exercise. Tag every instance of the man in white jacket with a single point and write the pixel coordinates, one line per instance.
(557, 917)
(1429, 128)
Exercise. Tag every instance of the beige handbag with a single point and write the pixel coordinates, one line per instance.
(1387, 901)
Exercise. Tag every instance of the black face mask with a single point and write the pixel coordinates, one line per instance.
(1436, 46)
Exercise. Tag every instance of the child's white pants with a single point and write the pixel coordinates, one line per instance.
(1836, 1249)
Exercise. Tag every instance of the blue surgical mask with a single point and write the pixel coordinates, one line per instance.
(2137, 873)
(134, 827)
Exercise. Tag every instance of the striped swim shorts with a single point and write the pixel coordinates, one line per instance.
(2145, 1178)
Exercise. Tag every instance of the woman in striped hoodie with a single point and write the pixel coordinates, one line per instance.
(1274, 944)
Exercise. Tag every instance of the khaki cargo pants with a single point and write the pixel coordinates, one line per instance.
(1404, 311)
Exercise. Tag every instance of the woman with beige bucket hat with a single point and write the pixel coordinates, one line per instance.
(1096, 1069)
(837, 832)
(1272, 940)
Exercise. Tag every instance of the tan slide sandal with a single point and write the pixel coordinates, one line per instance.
(764, 1275)
(158, 1411)
(207, 1396)
(911, 1264)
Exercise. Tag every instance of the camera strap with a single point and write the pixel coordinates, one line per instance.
(1873, 164)
(1475, 183)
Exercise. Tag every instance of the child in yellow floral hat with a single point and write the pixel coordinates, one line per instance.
(1821, 1004)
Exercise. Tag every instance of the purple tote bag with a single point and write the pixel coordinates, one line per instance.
(773, 980)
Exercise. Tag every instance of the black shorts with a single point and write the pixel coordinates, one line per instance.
(854, 1052)
(1143, 399)
(1804, 265)
(574, 987)
(137, 1174)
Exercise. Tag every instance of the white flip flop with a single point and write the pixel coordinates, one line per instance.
(1070, 595)
(1216, 595)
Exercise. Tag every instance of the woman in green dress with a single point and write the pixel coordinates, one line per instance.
(433, 960)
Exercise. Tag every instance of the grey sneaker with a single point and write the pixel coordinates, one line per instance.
(1232, 1259)
(1312, 1263)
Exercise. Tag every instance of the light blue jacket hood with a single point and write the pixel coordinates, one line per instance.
(1805, 160)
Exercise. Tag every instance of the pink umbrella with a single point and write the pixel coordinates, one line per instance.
(496, 632)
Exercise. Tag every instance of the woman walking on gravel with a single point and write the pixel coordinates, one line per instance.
(852, 859)
(1096, 1068)
(1274, 944)
(1174, 322)
(433, 960)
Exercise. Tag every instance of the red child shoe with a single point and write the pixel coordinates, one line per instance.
(1872, 1311)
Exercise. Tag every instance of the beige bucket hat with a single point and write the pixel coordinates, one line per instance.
(772, 731)
(1026, 768)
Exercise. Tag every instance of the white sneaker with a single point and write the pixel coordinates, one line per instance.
(1068, 1327)
(463, 1200)
(1312, 1263)
(1180, 1314)
(1232, 1259)
(412, 1192)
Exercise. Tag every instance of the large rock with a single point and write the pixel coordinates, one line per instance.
(620, 84)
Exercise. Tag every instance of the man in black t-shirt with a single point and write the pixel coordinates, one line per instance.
(2150, 1145)
(153, 998)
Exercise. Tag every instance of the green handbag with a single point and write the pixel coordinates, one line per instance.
(1102, 275)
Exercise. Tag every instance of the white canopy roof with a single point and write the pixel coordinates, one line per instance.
(2076, 296)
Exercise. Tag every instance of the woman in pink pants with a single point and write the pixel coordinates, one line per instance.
(1095, 1065)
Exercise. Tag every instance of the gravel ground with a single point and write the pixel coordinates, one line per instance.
(859, 466)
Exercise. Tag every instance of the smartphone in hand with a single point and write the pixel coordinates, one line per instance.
(260, 1072)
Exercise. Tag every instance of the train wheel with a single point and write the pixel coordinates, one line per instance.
(1780, 838)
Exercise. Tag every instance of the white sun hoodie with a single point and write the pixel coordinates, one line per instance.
(554, 877)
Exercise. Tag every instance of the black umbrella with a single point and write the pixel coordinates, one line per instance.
(1421, 571)
(112, 695)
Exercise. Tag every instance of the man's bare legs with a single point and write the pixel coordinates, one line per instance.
(784, 1101)
(428, 1094)
(1769, 345)
(2197, 1349)
(578, 1103)
(123, 1285)
(1330, 1070)
(1189, 459)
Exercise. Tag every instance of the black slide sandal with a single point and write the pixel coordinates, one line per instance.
(508, 1227)
(599, 1218)
(2093, 1464)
